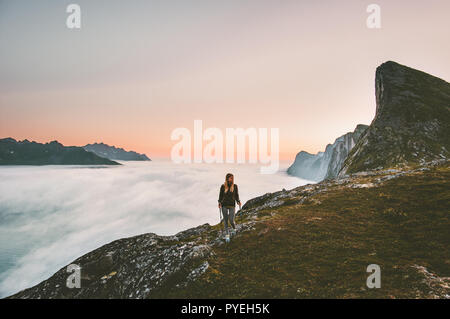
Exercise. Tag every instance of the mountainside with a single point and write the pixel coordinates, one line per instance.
(313, 241)
(14, 152)
(324, 165)
(114, 153)
(412, 121)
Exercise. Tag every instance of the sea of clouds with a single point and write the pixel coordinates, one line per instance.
(50, 215)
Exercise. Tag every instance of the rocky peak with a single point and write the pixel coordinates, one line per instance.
(411, 124)
(406, 95)
(8, 140)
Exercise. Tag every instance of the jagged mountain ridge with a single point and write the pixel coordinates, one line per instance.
(114, 153)
(327, 164)
(24, 152)
(411, 124)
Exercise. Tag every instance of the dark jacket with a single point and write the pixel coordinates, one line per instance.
(229, 198)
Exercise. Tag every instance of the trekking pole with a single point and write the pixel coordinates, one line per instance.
(220, 217)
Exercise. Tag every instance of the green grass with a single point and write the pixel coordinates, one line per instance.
(321, 248)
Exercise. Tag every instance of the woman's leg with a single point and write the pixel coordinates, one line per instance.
(225, 218)
(231, 217)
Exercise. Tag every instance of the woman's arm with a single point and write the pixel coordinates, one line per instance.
(237, 196)
(221, 195)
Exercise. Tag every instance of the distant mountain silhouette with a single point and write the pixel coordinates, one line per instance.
(24, 152)
(114, 153)
(326, 165)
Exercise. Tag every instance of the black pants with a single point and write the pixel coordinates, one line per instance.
(228, 215)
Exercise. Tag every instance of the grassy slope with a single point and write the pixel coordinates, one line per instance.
(321, 248)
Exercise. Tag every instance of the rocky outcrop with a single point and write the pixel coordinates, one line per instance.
(131, 267)
(327, 164)
(24, 152)
(114, 153)
(412, 121)
(341, 148)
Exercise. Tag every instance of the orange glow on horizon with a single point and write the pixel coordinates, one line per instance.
(305, 68)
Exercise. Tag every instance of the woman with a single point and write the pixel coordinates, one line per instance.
(228, 197)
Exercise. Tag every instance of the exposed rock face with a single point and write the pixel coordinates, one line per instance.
(326, 164)
(114, 153)
(309, 166)
(341, 148)
(412, 121)
(131, 267)
(24, 152)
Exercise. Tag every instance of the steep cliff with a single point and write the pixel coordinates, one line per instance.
(325, 164)
(412, 121)
(312, 167)
(341, 148)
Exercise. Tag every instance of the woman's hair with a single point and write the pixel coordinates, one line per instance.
(226, 182)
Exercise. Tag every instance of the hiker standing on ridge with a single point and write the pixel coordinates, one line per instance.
(228, 197)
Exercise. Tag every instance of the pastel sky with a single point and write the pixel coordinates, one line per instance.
(136, 70)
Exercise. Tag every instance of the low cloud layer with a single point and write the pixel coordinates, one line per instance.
(51, 215)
